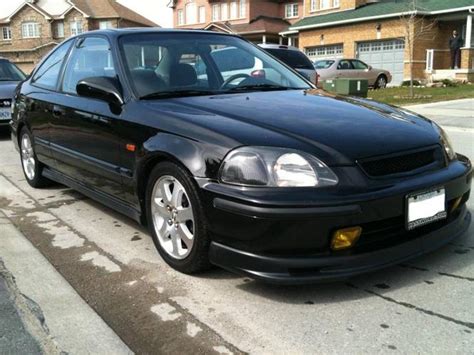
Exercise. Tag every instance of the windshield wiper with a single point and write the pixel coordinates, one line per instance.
(262, 87)
(176, 93)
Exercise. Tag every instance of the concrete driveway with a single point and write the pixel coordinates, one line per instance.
(424, 306)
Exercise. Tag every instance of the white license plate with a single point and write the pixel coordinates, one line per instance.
(5, 113)
(426, 207)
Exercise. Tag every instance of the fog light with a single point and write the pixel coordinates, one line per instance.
(345, 238)
(456, 204)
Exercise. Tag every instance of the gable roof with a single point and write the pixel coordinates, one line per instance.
(382, 9)
(260, 24)
(108, 9)
(22, 6)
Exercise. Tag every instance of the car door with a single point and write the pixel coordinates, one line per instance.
(37, 105)
(84, 137)
(345, 70)
(363, 71)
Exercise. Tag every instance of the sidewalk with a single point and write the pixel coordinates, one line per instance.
(39, 311)
(458, 113)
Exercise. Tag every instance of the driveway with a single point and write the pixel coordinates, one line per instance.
(423, 306)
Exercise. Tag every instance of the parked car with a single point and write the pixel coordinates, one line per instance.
(271, 179)
(10, 76)
(294, 58)
(352, 68)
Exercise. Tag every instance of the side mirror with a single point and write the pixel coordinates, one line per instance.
(370, 67)
(102, 88)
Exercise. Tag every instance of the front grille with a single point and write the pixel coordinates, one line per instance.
(412, 162)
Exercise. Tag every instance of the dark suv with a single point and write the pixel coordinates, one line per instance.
(10, 76)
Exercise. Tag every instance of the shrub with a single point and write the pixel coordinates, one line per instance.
(407, 83)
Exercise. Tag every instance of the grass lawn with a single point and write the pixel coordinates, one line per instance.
(399, 95)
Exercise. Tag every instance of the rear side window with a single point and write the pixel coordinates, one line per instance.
(90, 58)
(48, 74)
(294, 59)
(323, 64)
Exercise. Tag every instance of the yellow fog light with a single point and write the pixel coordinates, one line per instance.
(345, 238)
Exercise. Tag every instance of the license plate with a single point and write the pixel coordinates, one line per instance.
(426, 207)
(5, 114)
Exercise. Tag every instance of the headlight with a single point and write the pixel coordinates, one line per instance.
(267, 166)
(446, 142)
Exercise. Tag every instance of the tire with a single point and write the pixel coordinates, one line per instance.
(176, 219)
(381, 82)
(32, 167)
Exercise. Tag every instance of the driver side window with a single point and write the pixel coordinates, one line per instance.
(344, 65)
(359, 65)
(91, 57)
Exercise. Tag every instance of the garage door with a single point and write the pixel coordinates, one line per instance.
(388, 54)
(324, 52)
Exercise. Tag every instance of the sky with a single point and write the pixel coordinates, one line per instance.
(155, 10)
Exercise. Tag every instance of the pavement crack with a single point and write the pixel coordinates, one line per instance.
(469, 325)
(456, 276)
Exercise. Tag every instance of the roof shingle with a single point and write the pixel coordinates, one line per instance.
(383, 8)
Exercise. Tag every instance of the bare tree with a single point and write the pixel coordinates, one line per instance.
(416, 27)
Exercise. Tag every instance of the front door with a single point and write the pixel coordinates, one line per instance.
(345, 70)
(84, 138)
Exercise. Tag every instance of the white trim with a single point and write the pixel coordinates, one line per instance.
(73, 7)
(284, 33)
(37, 9)
(370, 18)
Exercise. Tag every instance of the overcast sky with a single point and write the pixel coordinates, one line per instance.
(155, 10)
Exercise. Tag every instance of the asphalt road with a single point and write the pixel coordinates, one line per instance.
(424, 306)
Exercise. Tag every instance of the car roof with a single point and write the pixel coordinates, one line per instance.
(277, 46)
(116, 32)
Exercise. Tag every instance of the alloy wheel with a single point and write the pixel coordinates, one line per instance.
(173, 218)
(28, 157)
(382, 83)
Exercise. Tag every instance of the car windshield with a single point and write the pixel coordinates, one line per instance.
(323, 64)
(173, 64)
(294, 59)
(10, 72)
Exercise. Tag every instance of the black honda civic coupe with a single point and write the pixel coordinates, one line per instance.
(238, 161)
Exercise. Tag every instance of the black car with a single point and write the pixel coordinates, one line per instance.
(263, 175)
(10, 77)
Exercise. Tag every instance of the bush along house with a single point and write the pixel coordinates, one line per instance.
(36, 26)
(382, 32)
(259, 21)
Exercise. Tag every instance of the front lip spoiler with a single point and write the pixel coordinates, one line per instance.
(303, 270)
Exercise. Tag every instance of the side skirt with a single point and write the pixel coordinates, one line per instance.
(105, 199)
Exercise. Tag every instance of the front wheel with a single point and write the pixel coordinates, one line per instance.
(32, 168)
(176, 219)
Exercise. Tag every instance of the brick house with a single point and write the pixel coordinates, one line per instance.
(32, 30)
(260, 21)
(374, 32)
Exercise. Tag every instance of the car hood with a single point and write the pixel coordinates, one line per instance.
(346, 128)
(7, 89)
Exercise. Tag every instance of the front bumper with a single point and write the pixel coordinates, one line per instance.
(256, 233)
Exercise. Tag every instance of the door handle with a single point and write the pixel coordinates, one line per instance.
(58, 111)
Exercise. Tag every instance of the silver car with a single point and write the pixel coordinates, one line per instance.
(294, 58)
(354, 69)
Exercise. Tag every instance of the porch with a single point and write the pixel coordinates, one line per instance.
(439, 62)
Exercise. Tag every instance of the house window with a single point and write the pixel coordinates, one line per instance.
(59, 29)
(30, 30)
(180, 17)
(76, 28)
(191, 13)
(336, 3)
(325, 4)
(224, 11)
(291, 10)
(103, 25)
(215, 12)
(314, 5)
(6, 33)
(202, 14)
(234, 9)
(243, 8)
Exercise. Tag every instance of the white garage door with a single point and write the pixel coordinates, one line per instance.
(387, 54)
(324, 52)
